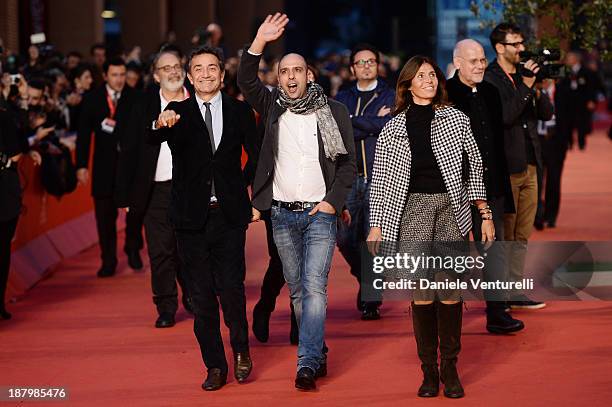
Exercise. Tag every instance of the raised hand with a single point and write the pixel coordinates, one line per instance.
(270, 30)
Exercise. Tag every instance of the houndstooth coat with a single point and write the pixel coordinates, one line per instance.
(451, 135)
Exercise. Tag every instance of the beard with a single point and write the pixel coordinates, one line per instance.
(172, 85)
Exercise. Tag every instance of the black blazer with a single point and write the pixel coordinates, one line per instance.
(194, 165)
(338, 174)
(491, 146)
(521, 112)
(138, 158)
(10, 189)
(106, 147)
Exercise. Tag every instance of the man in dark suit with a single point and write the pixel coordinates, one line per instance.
(144, 182)
(480, 101)
(305, 172)
(210, 208)
(102, 109)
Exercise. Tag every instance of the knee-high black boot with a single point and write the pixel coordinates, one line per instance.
(424, 321)
(449, 330)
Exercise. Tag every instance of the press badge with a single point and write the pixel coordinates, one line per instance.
(108, 125)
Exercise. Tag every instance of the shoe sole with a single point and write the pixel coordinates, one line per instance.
(539, 306)
(501, 331)
(304, 385)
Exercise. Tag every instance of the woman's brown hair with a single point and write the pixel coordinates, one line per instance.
(403, 97)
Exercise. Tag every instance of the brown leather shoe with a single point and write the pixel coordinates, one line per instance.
(242, 366)
(215, 380)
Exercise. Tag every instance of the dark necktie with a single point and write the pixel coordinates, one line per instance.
(209, 127)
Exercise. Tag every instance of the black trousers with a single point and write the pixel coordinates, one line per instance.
(213, 264)
(495, 261)
(7, 231)
(274, 279)
(579, 119)
(106, 222)
(163, 254)
(554, 152)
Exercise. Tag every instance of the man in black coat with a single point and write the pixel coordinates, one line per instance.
(480, 101)
(102, 109)
(306, 167)
(210, 208)
(144, 182)
(522, 107)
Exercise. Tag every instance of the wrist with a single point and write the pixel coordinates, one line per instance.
(257, 46)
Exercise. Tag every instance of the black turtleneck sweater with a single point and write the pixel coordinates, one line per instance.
(425, 175)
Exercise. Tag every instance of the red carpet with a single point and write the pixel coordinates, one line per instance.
(95, 337)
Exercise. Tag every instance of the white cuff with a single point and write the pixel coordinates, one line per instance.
(254, 54)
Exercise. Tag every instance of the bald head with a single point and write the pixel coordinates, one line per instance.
(292, 59)
(293, 75)
(470, 60)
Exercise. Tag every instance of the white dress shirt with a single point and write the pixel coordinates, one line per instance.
(216, 106)
(297, 171)
(164, 160)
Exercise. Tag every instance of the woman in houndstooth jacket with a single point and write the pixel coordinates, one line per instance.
(419, 193)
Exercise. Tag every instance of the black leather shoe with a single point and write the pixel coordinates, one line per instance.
(370, 314)
(500, 322)
(431, 381)
(242, 366)
(261, 323)
(4, 314)
(215, 380)
(134, 260)
(187, 304)
(106, 271)
(305, 379)
(165, 320)
(321, 371)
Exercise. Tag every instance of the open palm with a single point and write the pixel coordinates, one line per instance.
(272, 27)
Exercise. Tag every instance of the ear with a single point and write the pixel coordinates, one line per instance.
(352, 69)
(456, 63)
(190, 78)
(156, 77)
(105, 77)
(499, 48)
(222, 75)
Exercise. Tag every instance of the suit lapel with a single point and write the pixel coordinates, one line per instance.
(229, 117)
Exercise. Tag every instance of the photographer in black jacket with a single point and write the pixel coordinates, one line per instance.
(522, 106)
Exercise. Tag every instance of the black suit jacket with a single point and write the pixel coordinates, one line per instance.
(491, 146)
(138, 158)
(338, 174)
(194, 166)
(106, 146)
(521, 112)
(10, 188)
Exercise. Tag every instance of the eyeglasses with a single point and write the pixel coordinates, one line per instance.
(514, 44)
(170, 68)
(363, 62)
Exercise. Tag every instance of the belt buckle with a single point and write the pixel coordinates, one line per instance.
(297, 206)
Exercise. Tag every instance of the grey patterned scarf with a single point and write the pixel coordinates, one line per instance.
(315, 101)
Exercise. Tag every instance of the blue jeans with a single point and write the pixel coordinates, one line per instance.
(306, 245)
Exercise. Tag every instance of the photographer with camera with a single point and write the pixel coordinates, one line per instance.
(522, 106)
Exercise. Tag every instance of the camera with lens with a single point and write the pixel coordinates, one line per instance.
(548, 61)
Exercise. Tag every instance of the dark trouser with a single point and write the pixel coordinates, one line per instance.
(274, 280)
(106, 222)
(495, 262)
(579, 119)
(7, 231)
(213, 265)
(554, 150)
(161, 245)
(350, 238)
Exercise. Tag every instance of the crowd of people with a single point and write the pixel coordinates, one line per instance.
(351, 149)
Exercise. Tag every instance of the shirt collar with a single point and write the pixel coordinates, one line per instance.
(372, 86)
(163, 99)
(112, 92)
(214, 102)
